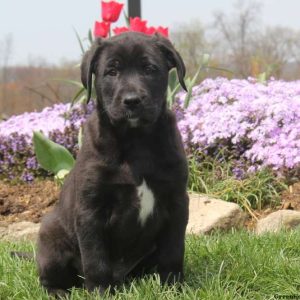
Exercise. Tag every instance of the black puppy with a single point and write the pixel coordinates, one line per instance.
(123, 209)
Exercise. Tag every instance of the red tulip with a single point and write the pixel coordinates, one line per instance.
(150, 30)
(101, 29)
(119, 30)
(136, 24)
(163, 31)
(111, 11)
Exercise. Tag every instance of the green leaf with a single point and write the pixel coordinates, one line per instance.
(172, 82)
(262, 77)
(191, 83)
(51, 156)
(61, 175)
(126, 18)
(90, 37)
(220, 69)
(69, 81)
(187, 81)
(205, 60)
(173, 87)
(79, 41)
(171, 95)
(77, 97)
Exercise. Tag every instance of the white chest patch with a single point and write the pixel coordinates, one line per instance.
(133, 122)
(147, 201)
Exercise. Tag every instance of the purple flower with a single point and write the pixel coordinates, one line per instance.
(258, 124)
(27, 176)
(60, 123)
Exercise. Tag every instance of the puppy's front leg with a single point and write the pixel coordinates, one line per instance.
(94, 249)
(171, 243)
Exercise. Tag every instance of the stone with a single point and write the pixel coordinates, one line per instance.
(19, 231)
(208, 214)
(281, 219)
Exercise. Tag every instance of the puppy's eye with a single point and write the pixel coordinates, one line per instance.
(112, 72)
(149, 69)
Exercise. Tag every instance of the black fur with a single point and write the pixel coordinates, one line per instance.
(94, 232)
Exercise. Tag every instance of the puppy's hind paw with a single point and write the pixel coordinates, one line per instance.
(58, 293)
(22, 255)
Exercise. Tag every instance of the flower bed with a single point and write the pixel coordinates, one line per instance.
(60, 123)
(255, 125)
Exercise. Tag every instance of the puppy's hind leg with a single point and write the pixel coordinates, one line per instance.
(55, 259)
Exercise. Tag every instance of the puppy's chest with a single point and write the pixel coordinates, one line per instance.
(134, 207)
(135, 221)
(144, 203)
(147, 196)
(148, 166)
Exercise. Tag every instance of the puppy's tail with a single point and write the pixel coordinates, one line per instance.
(22, 255)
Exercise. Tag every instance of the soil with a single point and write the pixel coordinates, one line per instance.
(29, 202)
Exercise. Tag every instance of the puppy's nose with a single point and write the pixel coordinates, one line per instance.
(131, 101)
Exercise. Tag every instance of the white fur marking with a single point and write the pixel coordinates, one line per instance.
(146, 202)
(133, 122)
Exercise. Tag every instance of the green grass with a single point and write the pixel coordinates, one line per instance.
(213, 176)
(236, 265)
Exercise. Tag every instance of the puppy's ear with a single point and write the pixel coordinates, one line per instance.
(88, 65)
(174, 59)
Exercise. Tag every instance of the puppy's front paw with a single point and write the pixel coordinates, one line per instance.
(57, 293)
(108, 289)
(170, 278)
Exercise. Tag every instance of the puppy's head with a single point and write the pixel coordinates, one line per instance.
(131, 76)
